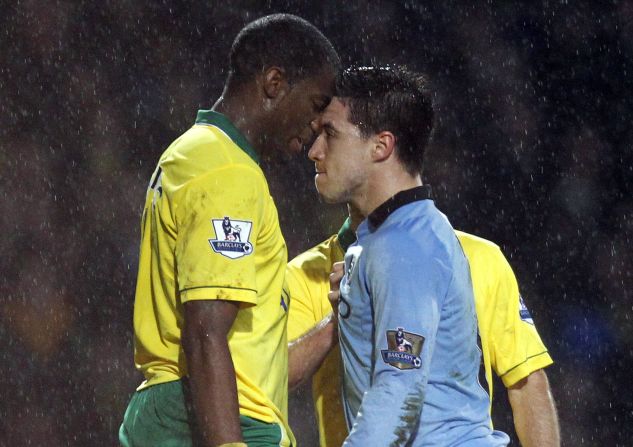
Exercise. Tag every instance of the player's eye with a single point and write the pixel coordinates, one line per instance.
(319, 106)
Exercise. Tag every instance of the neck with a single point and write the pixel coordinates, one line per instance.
(236, 106)
(383, 185)
(355, 216)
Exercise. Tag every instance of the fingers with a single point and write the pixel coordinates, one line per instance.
(338, 269)
(334, 296)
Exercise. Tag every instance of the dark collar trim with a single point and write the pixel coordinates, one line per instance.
(209, 117)
(380, 214)
(346, 236)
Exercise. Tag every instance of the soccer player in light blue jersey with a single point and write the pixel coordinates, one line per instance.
(407, 326)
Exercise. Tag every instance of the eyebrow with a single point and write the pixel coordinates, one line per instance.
(329, 126)
(321, 97)
(324, 100)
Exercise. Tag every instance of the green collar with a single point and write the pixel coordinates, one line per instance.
(346, 236)
(217, 119)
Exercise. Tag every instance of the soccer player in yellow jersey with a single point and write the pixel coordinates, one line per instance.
(209, 317)
(510, 343)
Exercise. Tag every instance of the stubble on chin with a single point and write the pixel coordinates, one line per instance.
(333, 197)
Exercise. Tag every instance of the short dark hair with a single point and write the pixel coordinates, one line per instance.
(390, 98)
(282, 40)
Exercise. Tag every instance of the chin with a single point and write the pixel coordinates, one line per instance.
(329, 197)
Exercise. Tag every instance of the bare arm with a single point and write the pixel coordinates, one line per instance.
(306, 354)
(534, 412)
(211, 371)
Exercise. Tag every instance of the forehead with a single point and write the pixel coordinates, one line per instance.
(337, 111)
(321, 84)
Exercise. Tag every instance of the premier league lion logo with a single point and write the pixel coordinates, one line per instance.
(403, 349)
(231, 232)
(234, 242)
(402, 344)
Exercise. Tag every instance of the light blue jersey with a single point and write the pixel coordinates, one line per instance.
(408, 333)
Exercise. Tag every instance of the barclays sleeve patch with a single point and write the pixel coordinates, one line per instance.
(403, 349)
(231, 237)
(524, 313)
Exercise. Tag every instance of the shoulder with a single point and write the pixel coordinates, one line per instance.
(478, 247)
(318, 259)
(420, 227)
(420, 238)
(203, 150)
(483, 254)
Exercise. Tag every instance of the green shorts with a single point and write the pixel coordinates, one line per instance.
(161, 416)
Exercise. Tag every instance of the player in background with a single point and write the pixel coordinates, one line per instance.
(510, 344)
(406, 272)
(207, 312)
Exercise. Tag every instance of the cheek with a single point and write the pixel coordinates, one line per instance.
(343, 167)
(341, 151)
(350, 165)
(297, 121)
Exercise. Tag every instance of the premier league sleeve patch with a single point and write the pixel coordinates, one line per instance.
(231, 237)
(524, 313)
(403, 349)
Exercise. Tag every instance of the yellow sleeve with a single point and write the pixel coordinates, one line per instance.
(515, 345)
(302, 315)
(219, 216)
(307, 278)
(308, 284)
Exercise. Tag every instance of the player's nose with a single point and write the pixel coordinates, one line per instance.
(315, 152)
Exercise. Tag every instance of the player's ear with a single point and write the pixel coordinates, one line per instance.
(384, 145)
(274, 84)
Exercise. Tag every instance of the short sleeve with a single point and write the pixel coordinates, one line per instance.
(308, 284)
(219, 216)
(304, 301)
(516, 347)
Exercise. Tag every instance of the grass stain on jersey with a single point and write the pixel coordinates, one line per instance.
(410, 418)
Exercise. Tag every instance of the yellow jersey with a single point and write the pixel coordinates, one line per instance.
(510, 344)
(210, 231)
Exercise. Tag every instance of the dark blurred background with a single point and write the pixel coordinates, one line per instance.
(532, 150)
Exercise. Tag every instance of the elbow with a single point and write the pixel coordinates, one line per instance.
(296, 374)
(293, 381)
